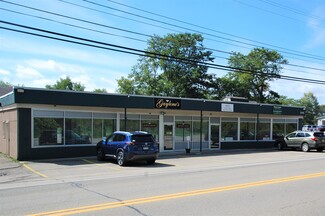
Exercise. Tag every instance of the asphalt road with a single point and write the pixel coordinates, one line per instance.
(225, 183)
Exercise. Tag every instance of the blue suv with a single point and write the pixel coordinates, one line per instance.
(128, 146)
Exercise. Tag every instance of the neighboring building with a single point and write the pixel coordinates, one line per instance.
(321, 120)
(42, 123)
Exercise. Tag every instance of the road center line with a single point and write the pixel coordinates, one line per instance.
(109, 205)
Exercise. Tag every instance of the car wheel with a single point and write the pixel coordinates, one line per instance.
(120, 158)
(152, 161)
(280, 146)
(319, 149)
(305, 147)
(100, 154)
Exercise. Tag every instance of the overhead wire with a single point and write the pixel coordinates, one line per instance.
(293, 10)
(200, 32)
(138, 52)
(120, 29)
(225, 52)
(133, 32)
(71, 25)
(213, 30)
(321, 58)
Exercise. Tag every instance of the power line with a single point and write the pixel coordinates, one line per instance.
(72, 25)
(138, 52)
(272, 12)
(291, 9)
(76, 26)
(77, 19)
(220, 32)
(86, 21)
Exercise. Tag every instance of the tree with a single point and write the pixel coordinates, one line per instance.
(5, 84)
(253, 74)
(100, 90)
(66, 84)
(178, 69)
(313, 109)
(310, 102)
(284, 100)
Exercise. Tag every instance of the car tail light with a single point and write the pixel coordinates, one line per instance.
(314, 139)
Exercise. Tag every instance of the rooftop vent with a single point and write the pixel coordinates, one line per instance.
(235, 99)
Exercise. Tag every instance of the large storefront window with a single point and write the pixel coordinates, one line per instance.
(264, 129)
(229, 129)
(78, 128)
(247, 128)
(147, 123)
(150, 124)
(48, 131)
(70, 128)
(183, 130)
(197, 129)
(103, 128)
(132, 122)
(291, 125)
(188, 132)
(278, 128)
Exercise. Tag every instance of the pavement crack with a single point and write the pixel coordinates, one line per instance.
(81, 186)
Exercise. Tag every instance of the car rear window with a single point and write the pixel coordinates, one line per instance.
(319, 134)
(142, 138)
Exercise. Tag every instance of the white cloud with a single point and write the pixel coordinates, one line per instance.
(68, 53)
(315, 23)
(27, 73)
(4, 72)
(40, 64)
(54, 66)
(41, 83)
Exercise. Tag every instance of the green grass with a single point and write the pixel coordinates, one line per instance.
(8, 157)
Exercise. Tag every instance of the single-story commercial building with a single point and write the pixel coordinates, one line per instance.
(43, 123)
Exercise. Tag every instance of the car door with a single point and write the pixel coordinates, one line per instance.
(290, 139)
(117, 142)
(300, 136)
(108, 146)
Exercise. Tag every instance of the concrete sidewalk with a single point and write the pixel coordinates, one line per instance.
(7, 162)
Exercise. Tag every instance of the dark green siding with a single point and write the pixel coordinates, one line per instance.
(24, 134)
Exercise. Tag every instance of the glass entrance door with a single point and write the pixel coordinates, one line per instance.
(214, 136)
(168, 137)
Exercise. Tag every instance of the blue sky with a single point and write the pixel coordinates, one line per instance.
(293, 27)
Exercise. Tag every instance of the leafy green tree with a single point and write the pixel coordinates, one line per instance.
(179, 70)
(5, 84)
(322, 110)
(313, 109)
(284, 100)
(100, 90)
(253, 74)
(66, 84)
(310, 102)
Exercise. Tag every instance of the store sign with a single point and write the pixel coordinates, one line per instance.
(160, 103)
(149, 125)
(183, 125)
(277, 110)
(227, 107)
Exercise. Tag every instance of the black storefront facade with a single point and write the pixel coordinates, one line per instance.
(42, 123)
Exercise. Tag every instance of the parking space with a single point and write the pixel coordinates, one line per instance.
(76, 169)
